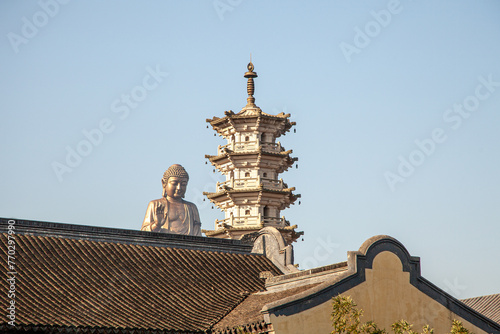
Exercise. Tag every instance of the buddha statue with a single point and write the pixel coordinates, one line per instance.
(172, 214)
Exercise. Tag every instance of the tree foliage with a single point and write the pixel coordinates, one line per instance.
(346, 319)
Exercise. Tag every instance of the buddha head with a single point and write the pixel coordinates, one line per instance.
(174, 182)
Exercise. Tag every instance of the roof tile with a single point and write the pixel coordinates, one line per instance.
(71, 282)
(489, 305)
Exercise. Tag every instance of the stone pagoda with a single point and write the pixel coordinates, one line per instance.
(253, 195)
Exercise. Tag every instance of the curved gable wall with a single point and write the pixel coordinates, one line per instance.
(385, 282)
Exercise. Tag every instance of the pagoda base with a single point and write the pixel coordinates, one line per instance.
(230, 232)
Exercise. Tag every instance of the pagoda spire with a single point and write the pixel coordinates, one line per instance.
(250, 85)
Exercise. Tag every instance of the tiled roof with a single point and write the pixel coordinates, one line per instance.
(277, 288)
(68, 282)
(248, 312)
(305, 275)
(45, 329)
(489, 306)
(254, 328)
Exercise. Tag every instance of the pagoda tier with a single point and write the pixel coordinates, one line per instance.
(252, 197)
(251, 120)
(242, 159)
(243, 196)
(230, 232)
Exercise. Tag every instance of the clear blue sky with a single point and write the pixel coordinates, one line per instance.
(365, 81)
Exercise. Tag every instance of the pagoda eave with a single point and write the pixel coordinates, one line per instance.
(231, 228)
(230, 198)
(287, 191)
(230, 120)
(228, 154)
(230, 114)
(288, 232)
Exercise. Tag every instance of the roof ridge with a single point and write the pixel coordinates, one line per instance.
(127, 236)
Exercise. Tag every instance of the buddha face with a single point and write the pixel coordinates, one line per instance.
(175, 187)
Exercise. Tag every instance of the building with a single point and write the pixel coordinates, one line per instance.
(252, 197)
(64, 278)
(85, 279)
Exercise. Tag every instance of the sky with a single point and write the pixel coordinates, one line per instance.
(397, 105)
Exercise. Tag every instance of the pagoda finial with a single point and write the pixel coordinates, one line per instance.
(250, 86)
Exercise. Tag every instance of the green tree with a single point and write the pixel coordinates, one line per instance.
(346, 319)
(458, 328)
